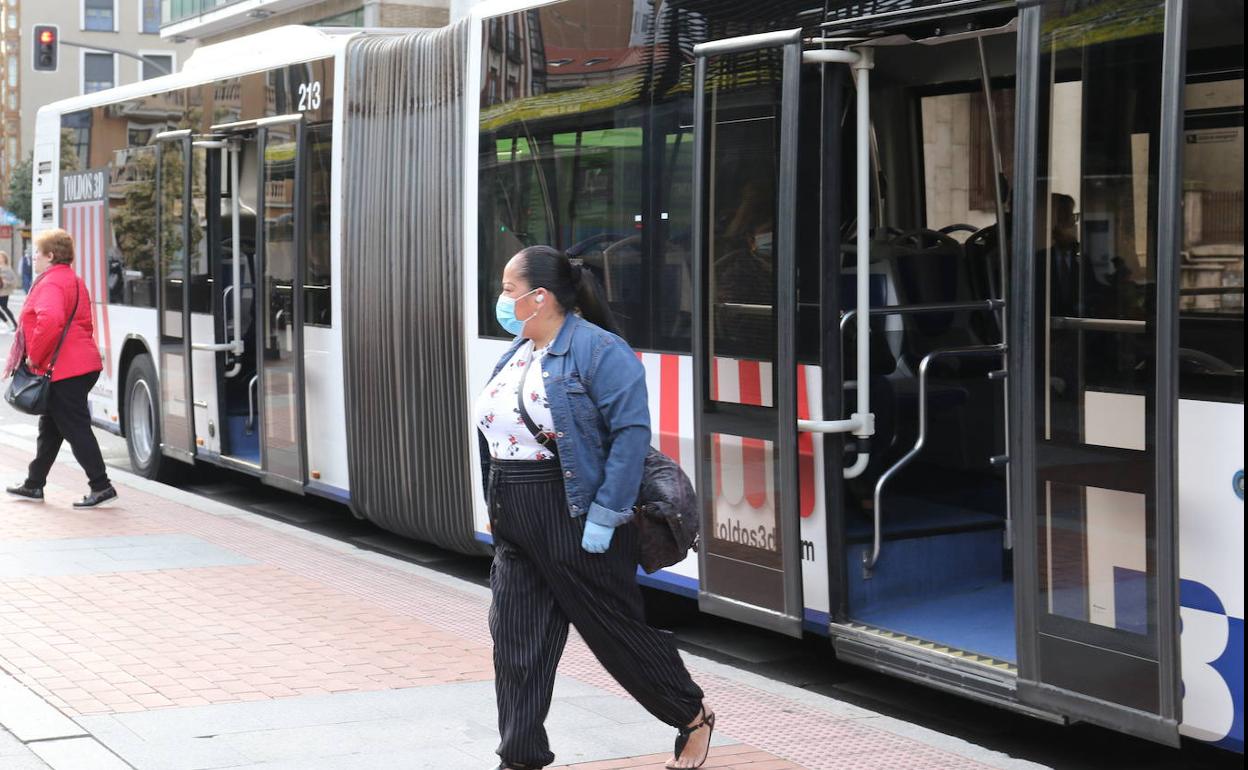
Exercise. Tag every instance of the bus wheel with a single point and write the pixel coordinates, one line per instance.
(143, 422)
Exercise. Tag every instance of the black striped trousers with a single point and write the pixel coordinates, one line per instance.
(541, 579)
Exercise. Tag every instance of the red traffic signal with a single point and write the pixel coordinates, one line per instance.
(46, 47)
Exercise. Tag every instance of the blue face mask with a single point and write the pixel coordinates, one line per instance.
(505, 312)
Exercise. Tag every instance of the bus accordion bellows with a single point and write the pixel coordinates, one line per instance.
(940, 304)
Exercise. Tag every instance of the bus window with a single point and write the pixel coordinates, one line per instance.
(743, 166)
(1211, 277)
(1096, 216)
(562, 154)
(132, 247)
(317, 275)
(201, 277)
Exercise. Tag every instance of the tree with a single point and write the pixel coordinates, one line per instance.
(18, 199)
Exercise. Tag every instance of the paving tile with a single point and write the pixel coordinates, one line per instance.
(29, 717)
(77, 754)
(85, 556)
(14, 755)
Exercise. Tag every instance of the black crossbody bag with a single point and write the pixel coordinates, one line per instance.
(666, 511)
(30, 392)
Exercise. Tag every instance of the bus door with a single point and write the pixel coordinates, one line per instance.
(280, 298)
(173, 323)
(744, 362)
(222, 333)
(1093, 367)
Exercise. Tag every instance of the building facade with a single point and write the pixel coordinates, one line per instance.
(94, 26)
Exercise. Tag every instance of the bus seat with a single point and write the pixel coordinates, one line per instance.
(983, 273)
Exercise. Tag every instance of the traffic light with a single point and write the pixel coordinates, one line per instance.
(47, 40)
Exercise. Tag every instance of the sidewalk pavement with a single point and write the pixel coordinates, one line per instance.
(173, 632)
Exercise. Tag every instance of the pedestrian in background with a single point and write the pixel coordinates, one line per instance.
(59, 298)
(8, 284)
(564, 429)
(27, 271)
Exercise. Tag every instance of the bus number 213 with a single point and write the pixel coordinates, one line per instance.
(310, 96)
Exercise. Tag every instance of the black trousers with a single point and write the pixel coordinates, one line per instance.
(541, 579)
(5, 313)
(68, 419)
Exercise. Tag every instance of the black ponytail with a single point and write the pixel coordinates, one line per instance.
(575, 286)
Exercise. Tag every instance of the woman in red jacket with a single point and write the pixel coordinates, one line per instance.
(47, 310)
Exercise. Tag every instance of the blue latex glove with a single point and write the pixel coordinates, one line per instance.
(597, 538)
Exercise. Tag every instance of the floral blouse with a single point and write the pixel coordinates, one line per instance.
(498, 414)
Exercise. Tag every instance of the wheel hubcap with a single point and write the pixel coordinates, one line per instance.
(142, 422)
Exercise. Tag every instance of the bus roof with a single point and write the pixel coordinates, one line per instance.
(265, 50)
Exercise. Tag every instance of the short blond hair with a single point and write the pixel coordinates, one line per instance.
(57, 244)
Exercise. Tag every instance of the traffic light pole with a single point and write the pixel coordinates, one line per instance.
(164, 70)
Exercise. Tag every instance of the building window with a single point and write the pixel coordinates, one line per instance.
(155, 64)
(98, 15)
(348, 19)
(98, 72)
(150, 21)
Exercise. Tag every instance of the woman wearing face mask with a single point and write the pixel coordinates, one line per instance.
(564, 428)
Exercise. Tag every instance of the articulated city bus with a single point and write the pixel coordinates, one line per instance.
(940, 304)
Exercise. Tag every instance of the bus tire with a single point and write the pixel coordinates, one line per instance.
(142, 405)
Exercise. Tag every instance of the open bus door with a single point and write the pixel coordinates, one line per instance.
(174, 183)
(231, 300)
(1093, 364)
(281, 238)
(744, 363)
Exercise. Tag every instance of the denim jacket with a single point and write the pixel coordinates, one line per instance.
(597, 393)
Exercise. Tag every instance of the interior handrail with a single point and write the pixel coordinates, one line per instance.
(869, 560)
(854, 423)
(1126, 325)
(862, 422)
(925, 307)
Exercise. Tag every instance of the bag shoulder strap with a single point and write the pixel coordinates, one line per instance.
(546, 440)
(68, 322)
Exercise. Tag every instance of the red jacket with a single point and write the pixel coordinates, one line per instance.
(44, 315)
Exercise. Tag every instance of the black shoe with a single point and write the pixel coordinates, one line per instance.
(30, 493)
(96, 498)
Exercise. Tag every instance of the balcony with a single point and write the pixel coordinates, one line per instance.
(195, 19)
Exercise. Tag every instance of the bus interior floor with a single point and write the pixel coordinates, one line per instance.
(977, 620)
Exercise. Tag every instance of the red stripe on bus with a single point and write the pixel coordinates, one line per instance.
(717, 460)
(753, 450)
(669, 406)
(805, 450)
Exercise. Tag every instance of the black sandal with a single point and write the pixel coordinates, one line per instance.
(683, 734)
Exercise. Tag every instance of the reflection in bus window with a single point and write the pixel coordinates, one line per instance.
(132, 248)
(1211, 277)
(563, 159)
(743, 130)
(202, 209)
(317, 278)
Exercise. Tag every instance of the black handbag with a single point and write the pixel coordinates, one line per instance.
(30, 392)
(666, 511)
